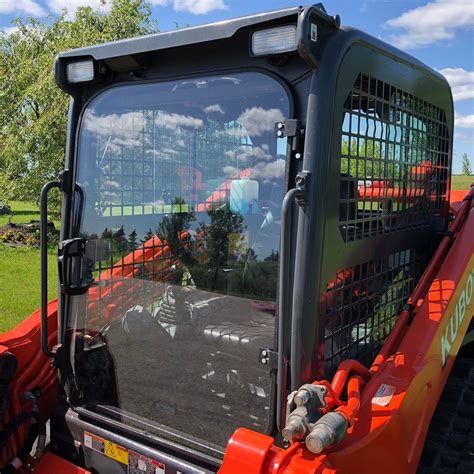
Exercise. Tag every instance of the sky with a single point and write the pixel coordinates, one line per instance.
(440, 33)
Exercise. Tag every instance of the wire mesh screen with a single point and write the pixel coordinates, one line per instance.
(361, 305)
(394, 161)
(146, 158)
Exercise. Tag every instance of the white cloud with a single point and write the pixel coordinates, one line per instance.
(198, 7)
(216, 108)
(436, 21)
(159, 3)
(464, 121)
(9, 30)
(57, 6)
(230, 170)
(257, 120)
(461, 81)
(467, 136)
(269, 171)
(29, 7)
(172, 121)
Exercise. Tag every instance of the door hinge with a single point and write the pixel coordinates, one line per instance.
(292, 129)
(268, 357)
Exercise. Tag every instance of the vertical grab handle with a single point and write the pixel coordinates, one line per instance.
(284, 301)
(44, 264)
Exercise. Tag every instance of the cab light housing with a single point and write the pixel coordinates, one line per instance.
(274, 41)
(80, 71)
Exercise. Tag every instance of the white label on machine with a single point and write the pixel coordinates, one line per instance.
(384, 395)
(140, 464)
(314, 32)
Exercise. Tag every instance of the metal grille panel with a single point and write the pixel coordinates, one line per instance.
(362, 303)
(394, 161)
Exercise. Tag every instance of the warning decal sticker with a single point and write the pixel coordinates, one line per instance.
(384, 395)
(101, 445)
(139, 464)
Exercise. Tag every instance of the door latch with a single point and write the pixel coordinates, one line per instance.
(76, 263)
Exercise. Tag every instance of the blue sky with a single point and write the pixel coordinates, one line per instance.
(439, 33)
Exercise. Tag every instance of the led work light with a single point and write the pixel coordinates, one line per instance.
(274, 40)
(81, 71)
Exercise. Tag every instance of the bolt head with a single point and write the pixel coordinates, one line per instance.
(298, 156)
(280, 133)
(280, 125)
(264, 360)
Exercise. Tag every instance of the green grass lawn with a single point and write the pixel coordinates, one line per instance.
(461, 182)
(20, 271)
(24, 212)
(20, 283)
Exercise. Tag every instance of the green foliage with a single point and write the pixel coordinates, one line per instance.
(370, 162)
(466, 165)
(33, 110)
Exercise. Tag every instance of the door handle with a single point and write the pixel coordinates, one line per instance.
(44, 264)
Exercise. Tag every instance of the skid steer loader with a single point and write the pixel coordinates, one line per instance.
(261, 267)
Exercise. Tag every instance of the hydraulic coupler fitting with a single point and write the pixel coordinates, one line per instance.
(328, 430)
(303, 409)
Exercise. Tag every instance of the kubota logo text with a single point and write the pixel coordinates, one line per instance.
(452, 328)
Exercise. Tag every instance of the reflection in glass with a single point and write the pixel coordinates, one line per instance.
(184, 181)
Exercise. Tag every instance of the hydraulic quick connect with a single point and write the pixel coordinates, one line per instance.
(328, 430)
(304, 409)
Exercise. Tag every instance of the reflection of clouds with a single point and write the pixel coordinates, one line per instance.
(173, 121)
(243, 154)
(269, 171)
(230, 170)
(264, 171)
(124, 128)
(213, 109)
(167, 154)
(108, 197)
(110, 184)
(235, 131)
(127, 129)
(258, 120)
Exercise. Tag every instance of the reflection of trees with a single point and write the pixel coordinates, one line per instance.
(216, 254)
(215, 243)
(132, 240)
(174, 231)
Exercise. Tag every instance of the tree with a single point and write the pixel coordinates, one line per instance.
(466, 165)
(133, 240)
(33, 110)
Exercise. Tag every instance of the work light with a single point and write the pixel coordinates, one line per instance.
(80, 71)
(274, 40)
